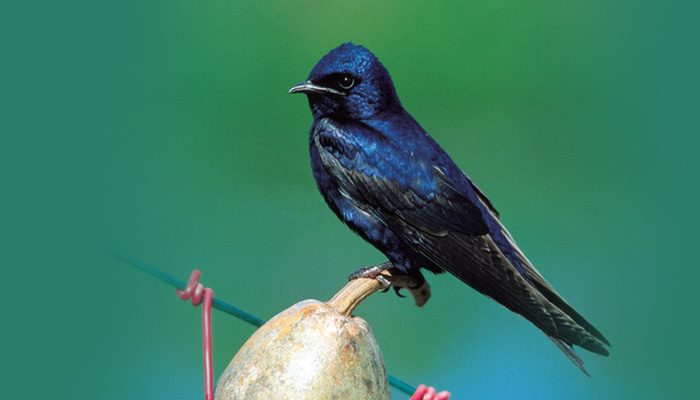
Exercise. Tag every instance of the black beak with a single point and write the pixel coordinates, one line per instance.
(310, 87)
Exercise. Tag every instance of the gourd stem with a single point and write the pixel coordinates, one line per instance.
(350, 296)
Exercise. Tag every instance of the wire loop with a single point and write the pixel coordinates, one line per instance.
(201, 295)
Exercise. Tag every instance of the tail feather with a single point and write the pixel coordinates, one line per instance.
(570, 353)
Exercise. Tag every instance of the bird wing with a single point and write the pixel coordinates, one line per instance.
(444, 224)
(377, 173)
(479, 262)
(545, 288)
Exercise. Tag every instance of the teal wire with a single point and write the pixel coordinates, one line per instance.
(230, 308)
(179, 284)
(401, 385)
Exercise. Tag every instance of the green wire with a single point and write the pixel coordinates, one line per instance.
(230, 308)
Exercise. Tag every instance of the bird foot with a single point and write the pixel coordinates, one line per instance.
(374, 272)
(393, 278)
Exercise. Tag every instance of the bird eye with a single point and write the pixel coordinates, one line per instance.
(346, 82)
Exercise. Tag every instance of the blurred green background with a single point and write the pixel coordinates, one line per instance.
(163, 130)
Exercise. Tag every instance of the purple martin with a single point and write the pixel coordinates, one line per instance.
(391, 183)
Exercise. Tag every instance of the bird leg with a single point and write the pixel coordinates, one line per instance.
(390, 276)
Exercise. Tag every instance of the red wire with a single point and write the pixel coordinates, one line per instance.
(428, 393)
(197, 292)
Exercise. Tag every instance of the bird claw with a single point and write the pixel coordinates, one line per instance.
(384, 282)
(397, 289)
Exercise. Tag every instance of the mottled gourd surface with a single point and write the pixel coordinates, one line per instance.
(309, 351)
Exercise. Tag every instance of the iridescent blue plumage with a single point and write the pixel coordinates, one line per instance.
(390, 182)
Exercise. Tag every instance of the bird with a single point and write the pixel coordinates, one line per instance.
(391, 183)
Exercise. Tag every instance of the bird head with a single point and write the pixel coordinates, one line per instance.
(349, 82)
